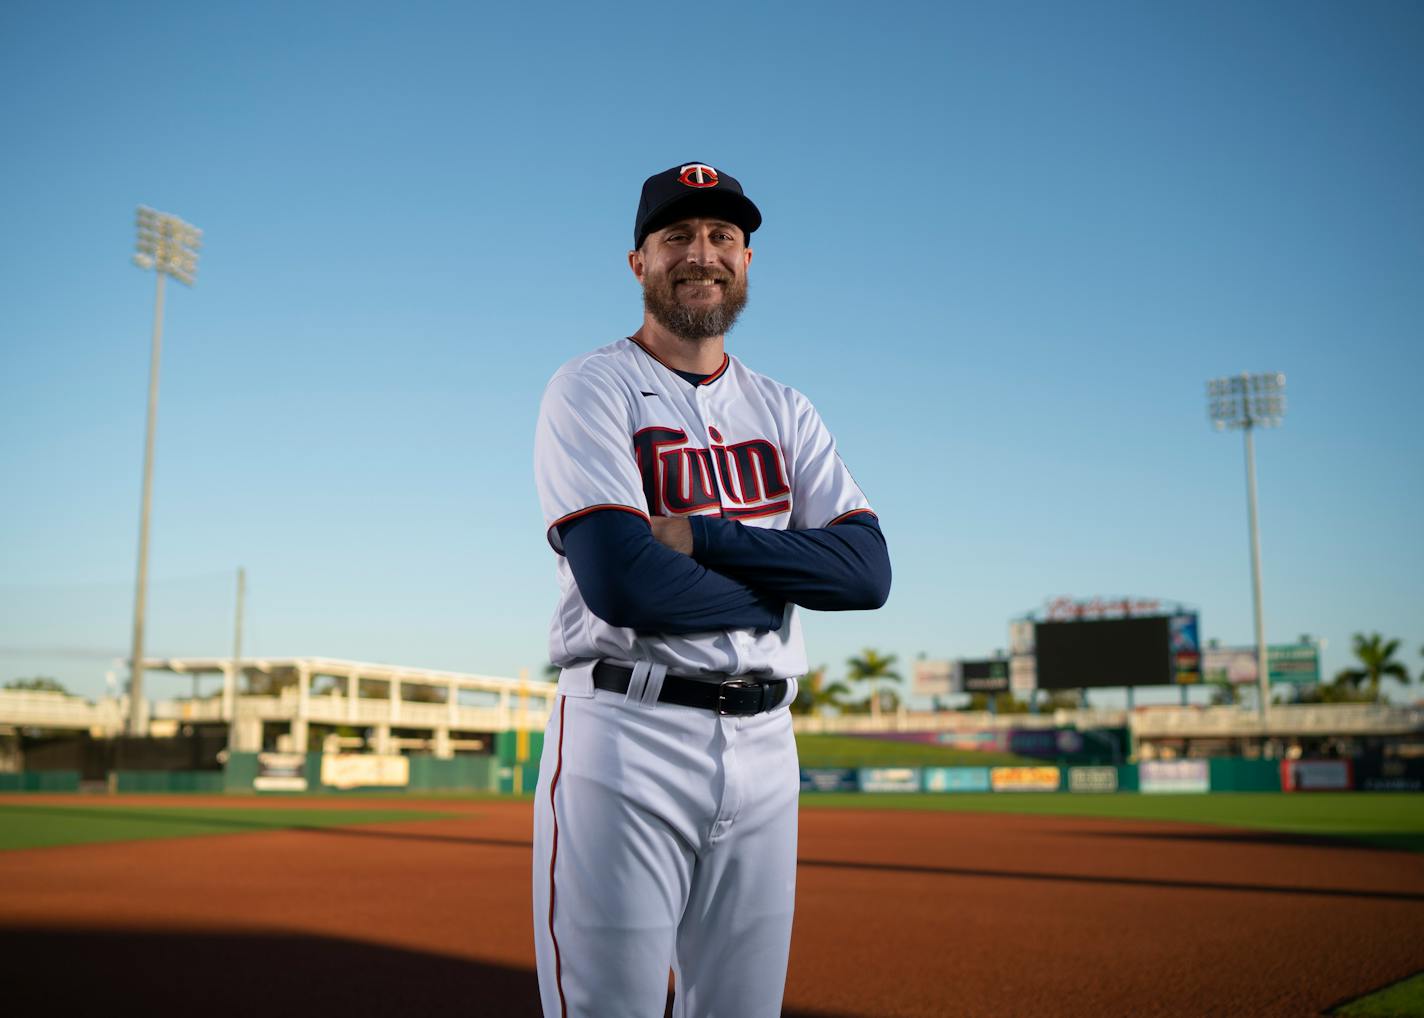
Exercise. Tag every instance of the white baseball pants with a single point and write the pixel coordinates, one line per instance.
(663, 836)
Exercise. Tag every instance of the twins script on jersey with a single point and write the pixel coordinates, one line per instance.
(620, 430)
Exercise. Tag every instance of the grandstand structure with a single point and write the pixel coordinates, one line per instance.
(1159, 732)
(312, 704)
(354, 705)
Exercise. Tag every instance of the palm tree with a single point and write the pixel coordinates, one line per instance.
(873, 666)
(815, 694)
(1376, 656)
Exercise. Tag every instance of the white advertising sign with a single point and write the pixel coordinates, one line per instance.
(364, 770)
(933, 678)
(1174, 776)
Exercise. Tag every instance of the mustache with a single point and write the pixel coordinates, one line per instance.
(716, 275)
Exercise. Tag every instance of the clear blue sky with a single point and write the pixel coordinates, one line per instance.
(1005, 247)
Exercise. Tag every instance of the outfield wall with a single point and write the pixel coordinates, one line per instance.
(40, 781)
(514, 767)
(1154, 777)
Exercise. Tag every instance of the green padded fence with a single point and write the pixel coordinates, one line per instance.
(40, 781)
(458, 774)
(462, 773)
(1127, 778)
(506, 745)
(312, 772)
(169, 781)
(1236, 775)
(240, 772)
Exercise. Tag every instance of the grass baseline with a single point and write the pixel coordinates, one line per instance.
(1404, 999)
(1390, 820)
(24, 825)
(815, 750)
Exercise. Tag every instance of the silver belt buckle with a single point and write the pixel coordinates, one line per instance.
(736, 685)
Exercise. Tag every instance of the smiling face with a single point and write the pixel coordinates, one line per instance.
(694, 276)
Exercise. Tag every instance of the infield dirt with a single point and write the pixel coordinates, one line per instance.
(898, 914)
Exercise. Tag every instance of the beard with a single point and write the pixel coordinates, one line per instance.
(694, 322)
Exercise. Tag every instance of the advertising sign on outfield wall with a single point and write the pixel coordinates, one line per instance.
(889, 779)
(364, 770)
(829, 779)
(281, 772)
(1174, 776)
(956, 779)
(1389, 774)
(1315, 776)
(1092, 779)
(1024, 779)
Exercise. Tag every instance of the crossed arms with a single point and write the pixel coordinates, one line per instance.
(694, 574)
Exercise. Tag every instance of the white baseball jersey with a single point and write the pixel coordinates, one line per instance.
(618, 429)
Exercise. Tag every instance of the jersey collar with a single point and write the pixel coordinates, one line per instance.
(726, 362)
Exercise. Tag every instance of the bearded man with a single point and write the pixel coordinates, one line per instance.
(693, 504)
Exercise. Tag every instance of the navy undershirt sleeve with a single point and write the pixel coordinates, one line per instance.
(837, 568)
(630, 580)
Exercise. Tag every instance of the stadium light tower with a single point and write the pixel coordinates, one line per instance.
(1249, 402)
(170, 247)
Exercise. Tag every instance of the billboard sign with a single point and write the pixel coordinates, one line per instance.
(1389, 774)
(364, 770)
(1186, 649)
(932, 678)
(1024, 779)
(1293, 663)
(889, 779)
(829, 779)
(1297, 663)
(1065, 608)
(1092, 779)
(1315, 776)
(1023, 674)
(956, 779)
(1174, 776)
(1021, 638)
(986, 676)
(1236, 665)
(281, 772)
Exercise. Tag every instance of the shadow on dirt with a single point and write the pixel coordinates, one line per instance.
(1362, 841)
(1110, 881)
(204, 974)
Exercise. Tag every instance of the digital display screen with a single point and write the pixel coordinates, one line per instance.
(1104, 652)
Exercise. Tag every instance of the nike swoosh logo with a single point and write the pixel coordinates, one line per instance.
(648, 393)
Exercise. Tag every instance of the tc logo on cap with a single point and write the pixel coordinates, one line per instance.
(698, 175)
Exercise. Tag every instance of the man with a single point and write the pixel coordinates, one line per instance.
(693, 504)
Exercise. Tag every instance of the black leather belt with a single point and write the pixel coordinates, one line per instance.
(730, 696)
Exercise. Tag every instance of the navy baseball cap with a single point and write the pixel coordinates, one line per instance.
(692, 189)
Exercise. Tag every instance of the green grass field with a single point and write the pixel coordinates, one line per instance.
(44, 826)
(854, 751)
(1405, 999)
(1383, 819)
